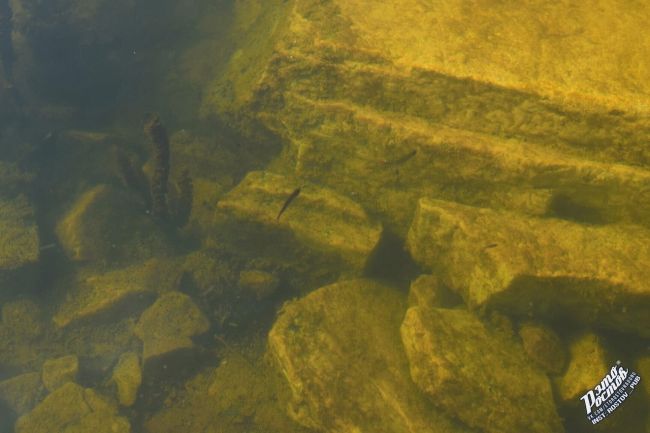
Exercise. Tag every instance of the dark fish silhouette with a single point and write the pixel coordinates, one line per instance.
(293, 195)
(402, 159)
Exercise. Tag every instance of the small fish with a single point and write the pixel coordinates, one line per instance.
(293, 195)
(47, 247)
(487, 247)
(402, 159)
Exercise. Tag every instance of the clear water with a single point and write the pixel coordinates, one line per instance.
(180, 179)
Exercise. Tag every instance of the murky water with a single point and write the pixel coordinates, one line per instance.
(323, 216)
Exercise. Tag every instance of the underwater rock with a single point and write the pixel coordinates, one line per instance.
(22, 393)
(427, 291)
(259, 283)
(353, 104)
(18, 233)
(543, 347)
(73, 409)
(169, 325)
(487, 382)
(324, 221)
(243, 390)
(127, 376)
(22, 318)
(124, 291)
(13, 180)
(339, 350)
(588, 363)
(533, 266)
(57, 372)
(107, 224)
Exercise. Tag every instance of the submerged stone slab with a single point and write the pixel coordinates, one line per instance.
(394, 106)
(543, 346)
(127, 376)
(111, 225)
(130, 289)
(241, 391)
(588, 363)
(21, 393)
(547, 267)
(169, 325)
(59, 371)
(73, 409)
(339, 350)
(323, 220)
(476, 375)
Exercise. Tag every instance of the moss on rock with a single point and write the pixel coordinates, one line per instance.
(340, 352)
(486, 381)
(168, 325)
(546, 267)
(73, 409)
(127, 376)
(324, 221)
(107, 225)
(99, 294)
(59, 371)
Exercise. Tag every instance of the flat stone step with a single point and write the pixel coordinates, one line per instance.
(537, 266)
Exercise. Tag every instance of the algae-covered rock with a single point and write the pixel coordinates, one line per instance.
(22, 318)
(108, 224)
(21, 393)
(367, 106)
(527, 265)
(339, 350)
(325, 221)
(169, 325)
(73, 409)
(243, 390)
(427, 291)
(543, 347)
(57, 372)
(258, 283)
(127, 376)
(588, 363)
(125, 290)
(13, 180)
(476, 375)
(18, 233)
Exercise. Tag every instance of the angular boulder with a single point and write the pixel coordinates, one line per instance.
(109, 224)
(22, 393)
(339, 350)
(127, 376)
(539, 266)
(73, 409)
(366, 104)
(59, 371)
(324, 221)
(125, 290)
(475, 375)
(169, 325)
